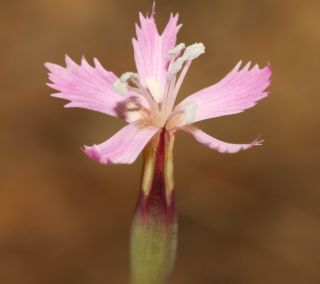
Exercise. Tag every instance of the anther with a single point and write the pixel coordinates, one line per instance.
(190, 112)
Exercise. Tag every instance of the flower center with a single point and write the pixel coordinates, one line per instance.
(157, 104)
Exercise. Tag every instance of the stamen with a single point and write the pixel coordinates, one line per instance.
(193, 51)
(165, 111)
(120, 87)
(121, 84)
(124, 78)
(190, 112)
(176, 87)
(176, 50)
(175, 67)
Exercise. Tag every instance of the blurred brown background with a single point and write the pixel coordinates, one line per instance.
(248, 218)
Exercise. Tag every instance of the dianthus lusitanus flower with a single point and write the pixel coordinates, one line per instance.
(145, 99)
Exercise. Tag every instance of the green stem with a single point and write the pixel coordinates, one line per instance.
(154, 227)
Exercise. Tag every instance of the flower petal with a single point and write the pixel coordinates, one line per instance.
(87, 87)
(237, 91)
(213, 143)
(151, 50)
(125, 146)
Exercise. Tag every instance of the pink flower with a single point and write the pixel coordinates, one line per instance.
(146, 99)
